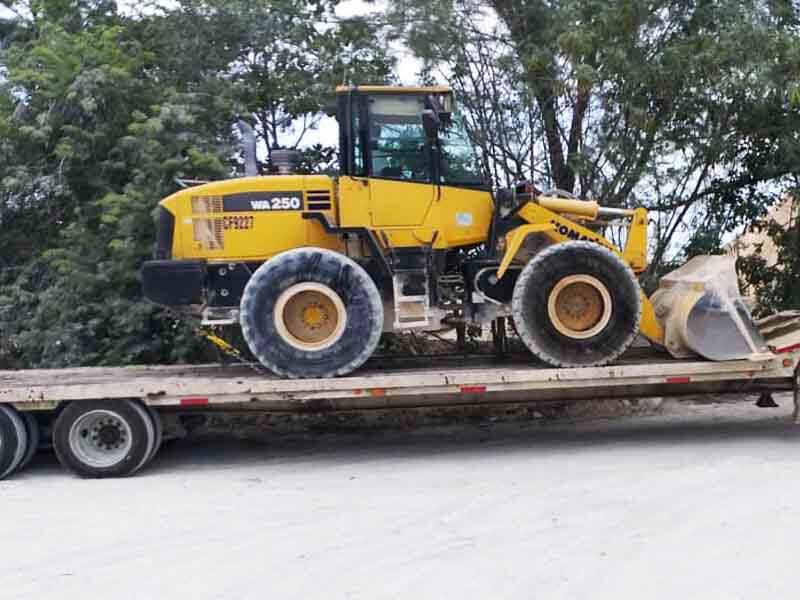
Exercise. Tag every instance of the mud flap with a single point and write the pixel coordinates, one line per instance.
(703, 314)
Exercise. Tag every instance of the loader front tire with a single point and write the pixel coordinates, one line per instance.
(311, 312)
(577, 304)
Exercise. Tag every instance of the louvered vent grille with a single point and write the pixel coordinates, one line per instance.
(206, 204)
(318, 200)
(209, 233)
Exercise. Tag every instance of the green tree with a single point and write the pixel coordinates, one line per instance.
(92, 142)
(776, 284)
(283, 60)
(682, 106)
(100, 113)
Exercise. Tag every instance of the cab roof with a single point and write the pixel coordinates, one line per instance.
(393, 89)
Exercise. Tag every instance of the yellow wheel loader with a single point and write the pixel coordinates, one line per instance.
(408, 236)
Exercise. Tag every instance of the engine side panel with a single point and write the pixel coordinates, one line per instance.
(251, 218)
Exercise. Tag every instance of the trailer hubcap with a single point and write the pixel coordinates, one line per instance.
(100, 438)
(579, 306)
(310, 316)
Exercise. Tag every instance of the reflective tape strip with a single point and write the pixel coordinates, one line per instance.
(194, 401)
(787, 349)
(472, 389)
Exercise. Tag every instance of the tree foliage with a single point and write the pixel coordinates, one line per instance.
(683, 106)
(100, 113)
(776, 283)
(689, 107)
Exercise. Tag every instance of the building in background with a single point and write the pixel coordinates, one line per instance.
(756, 239)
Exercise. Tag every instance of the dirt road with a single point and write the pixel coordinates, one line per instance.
(698, 503)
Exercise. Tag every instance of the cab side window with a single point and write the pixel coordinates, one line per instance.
(358, 151)
(397, 140)
(460, 164)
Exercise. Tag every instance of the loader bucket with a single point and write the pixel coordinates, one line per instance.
(702, 312)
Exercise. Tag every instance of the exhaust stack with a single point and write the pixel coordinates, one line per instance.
(249, 148)
(285, 161)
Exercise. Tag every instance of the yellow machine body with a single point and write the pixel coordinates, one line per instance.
(254, 218)
(218, 221)
(251, 218)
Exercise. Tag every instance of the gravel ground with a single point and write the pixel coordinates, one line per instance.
(697, 502)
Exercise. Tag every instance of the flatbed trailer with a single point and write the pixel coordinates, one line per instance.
(111, 421)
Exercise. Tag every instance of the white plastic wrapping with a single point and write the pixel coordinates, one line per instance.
(702, 312)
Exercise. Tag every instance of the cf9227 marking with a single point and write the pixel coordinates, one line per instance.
(238, 222)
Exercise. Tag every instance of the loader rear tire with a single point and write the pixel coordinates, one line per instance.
(311, 312)
(577, 304)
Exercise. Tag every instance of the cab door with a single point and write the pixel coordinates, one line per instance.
(400, 161)
(399, 203)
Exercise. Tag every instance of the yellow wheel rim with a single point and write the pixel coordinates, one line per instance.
(579, 306)
(310, 316)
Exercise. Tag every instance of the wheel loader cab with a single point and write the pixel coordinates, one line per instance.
(413, 185)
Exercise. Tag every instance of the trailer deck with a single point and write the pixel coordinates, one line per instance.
(466, 379)
(106, 422)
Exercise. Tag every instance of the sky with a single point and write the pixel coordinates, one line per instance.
(327, 132)
(406, 69)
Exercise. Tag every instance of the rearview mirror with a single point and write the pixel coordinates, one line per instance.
(431, 124)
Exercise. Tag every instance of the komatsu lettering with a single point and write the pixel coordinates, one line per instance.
(573, 234)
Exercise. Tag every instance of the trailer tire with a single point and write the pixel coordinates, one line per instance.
(151, 432)
(158, 431)
(13, 440)
(34, 437)
(102, 438)
(577, 304)
(311, 312)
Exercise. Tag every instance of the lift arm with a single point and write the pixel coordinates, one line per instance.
(547, 215)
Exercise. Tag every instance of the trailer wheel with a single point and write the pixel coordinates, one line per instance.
(577, 304)
(13, 440)
(158, 431)
(34, 436)
(311, 312)
(149, 426)
(104, 438)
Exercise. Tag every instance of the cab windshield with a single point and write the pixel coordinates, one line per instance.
(387, 140)
(397, 139)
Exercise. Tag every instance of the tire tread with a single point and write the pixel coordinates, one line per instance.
(537, 262)
(310, 258)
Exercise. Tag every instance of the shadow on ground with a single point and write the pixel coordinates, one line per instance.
(698, 427)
